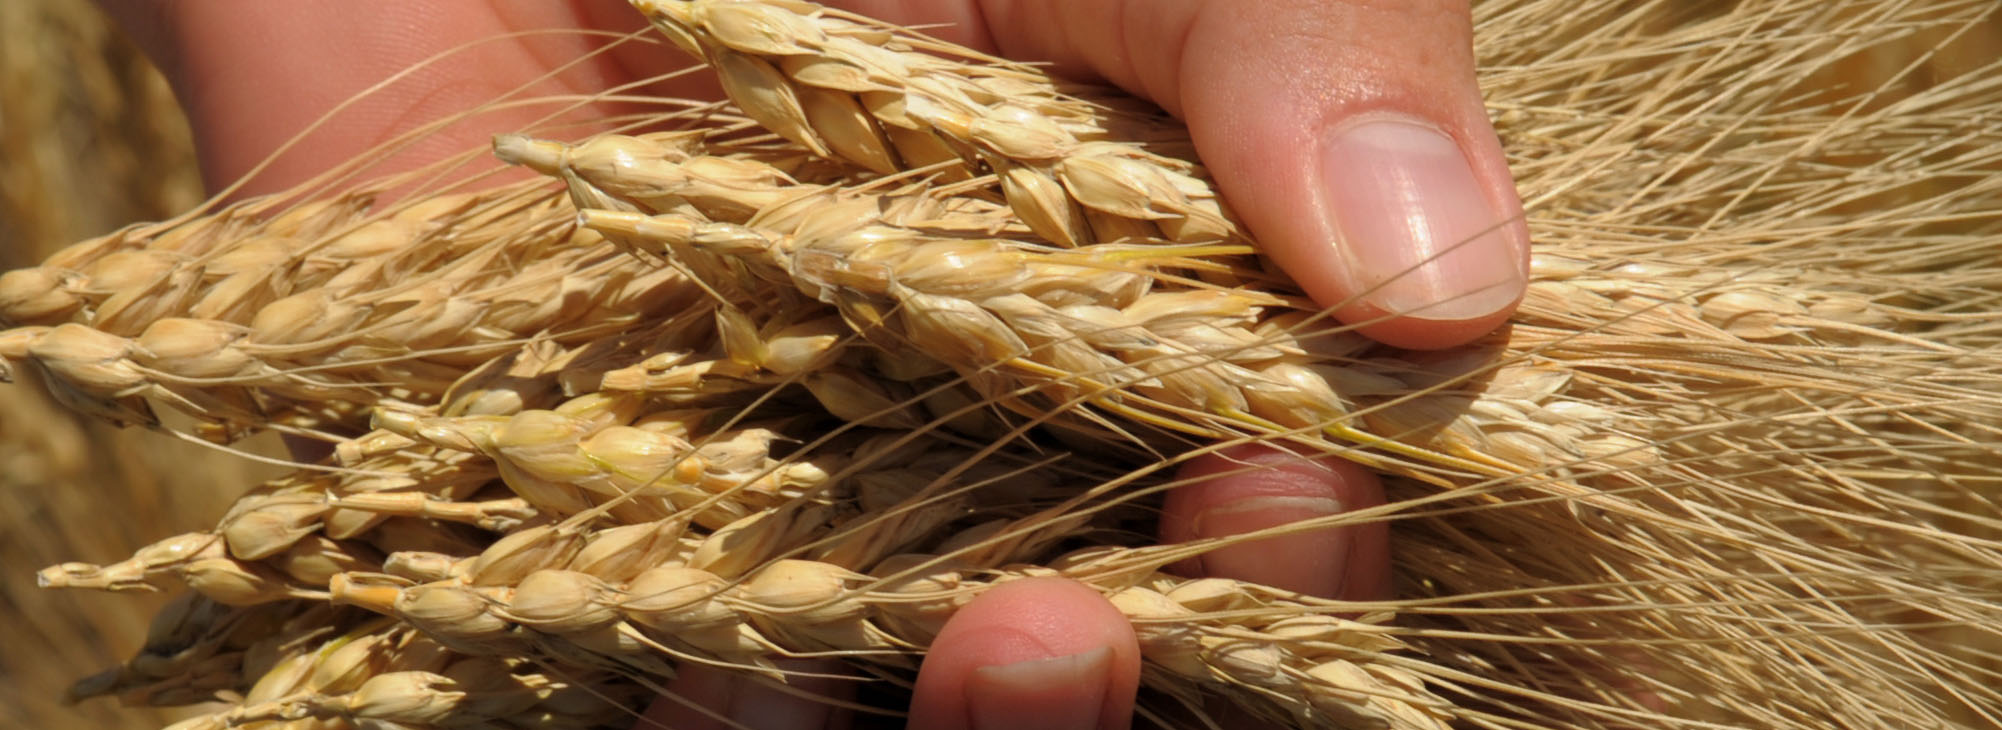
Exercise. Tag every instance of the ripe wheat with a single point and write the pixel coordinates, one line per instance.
(723, 398)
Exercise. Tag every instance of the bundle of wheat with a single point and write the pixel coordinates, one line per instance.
(713, 396)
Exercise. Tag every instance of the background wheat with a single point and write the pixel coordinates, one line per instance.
(93, 140)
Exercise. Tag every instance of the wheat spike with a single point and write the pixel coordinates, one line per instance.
(1069, 159)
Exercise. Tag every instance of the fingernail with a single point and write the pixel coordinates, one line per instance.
(1422, 239)
(1058, 692)
(1312, 562)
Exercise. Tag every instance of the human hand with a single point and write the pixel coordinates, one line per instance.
(1348, 135)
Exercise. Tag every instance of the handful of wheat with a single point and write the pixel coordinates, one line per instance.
(715, 396)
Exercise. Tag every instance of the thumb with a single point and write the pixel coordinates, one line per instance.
(1348, 134)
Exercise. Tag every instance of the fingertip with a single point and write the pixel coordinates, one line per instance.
(1036, 652)
(1349, 136)
(1352, 139)
(1254, 487)
(1422, 234)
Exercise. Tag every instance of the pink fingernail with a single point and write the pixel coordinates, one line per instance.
(1058, 692)
(1310, 562)
(1421, 237)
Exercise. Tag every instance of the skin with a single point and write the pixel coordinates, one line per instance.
(1264, 93)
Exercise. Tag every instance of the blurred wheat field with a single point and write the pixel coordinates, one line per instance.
(91, 141)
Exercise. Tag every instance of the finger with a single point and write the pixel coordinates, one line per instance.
(1249, 488)
(251, 75)
(1349, 135)
(953, 21)
(1037, 652)
(708, 698)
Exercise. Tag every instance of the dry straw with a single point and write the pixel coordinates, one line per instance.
(716, 397)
